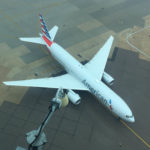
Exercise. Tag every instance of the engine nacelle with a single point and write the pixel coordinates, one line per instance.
(108, 79)
(74, 97)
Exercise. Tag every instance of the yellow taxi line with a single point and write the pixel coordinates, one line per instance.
(136, 134)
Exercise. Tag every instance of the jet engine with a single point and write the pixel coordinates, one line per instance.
(108, 79)
(74, 97)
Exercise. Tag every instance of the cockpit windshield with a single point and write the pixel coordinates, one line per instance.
(129, 116)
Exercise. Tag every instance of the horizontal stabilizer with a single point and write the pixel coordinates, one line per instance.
(53, 32)
(36, 40)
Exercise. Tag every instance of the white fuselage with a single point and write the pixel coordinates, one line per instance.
(104, 94)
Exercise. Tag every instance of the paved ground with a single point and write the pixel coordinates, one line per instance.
(84, 26)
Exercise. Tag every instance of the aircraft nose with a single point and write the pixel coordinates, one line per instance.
(132, 120)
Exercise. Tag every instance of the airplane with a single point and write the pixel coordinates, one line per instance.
(90, 77)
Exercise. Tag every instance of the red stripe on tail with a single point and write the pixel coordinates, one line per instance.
(49, 43)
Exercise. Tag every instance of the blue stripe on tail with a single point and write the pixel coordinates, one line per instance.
(43, 26)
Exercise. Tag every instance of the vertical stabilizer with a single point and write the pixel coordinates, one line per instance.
(47, 37)
(43, 27)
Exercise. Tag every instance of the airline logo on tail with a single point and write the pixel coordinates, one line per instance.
(47, 38)
(43, 26)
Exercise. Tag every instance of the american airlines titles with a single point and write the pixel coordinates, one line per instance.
(96, 93)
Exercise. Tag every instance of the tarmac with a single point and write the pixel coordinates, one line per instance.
(84, 26)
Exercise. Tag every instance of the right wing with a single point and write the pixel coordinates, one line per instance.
(64, 81)
(97, 64)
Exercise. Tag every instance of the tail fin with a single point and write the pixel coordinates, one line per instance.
(49, 34)
(43, 26)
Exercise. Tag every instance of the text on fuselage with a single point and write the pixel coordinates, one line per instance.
(96, 93)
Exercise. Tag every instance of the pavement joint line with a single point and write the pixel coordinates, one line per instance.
(47, 6)
(136, 134)
(11, 20)
(58, 128)
(133, 46)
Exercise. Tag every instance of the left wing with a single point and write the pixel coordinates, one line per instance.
(97, 64)
(65, 81)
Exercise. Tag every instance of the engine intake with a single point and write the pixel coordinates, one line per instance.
(108, 79)
(74, 97)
